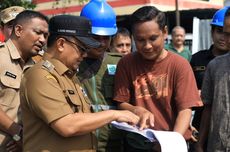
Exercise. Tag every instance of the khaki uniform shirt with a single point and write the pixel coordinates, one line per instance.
(11, 68)
(50, 91)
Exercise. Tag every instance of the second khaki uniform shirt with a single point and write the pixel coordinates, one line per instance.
(49, 91)
(11, 68)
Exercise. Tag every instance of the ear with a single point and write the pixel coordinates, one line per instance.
(165, 32)
(60, 44)
(18, 30)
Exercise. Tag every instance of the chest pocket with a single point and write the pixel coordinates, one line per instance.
(72, 95)
(72, 99)
(10, 87)
(11, 80)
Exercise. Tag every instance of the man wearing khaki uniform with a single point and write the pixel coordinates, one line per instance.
(56, 111)
(27, 39)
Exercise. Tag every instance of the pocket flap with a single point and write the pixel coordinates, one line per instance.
(11, 80)
(73, 100)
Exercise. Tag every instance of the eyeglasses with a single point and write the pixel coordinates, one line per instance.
(82, 49)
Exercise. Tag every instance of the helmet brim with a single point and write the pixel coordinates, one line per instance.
(104, 31)
(89, 42)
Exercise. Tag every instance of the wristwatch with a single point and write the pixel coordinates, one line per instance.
(17, 137)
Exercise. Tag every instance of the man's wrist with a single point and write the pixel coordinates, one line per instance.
(15, 131)
(18, 136)
(137, 110)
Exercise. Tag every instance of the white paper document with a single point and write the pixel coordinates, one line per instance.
(169, 141)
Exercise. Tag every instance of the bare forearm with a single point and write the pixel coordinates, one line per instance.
(204, 126)
(5, 121)
(182, 121)
(81, 123)
(126, 106)
(88, 122)
(7, 124)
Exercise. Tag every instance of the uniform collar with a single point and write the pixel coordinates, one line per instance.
(16, 56)
(59, 66)
(13, 50)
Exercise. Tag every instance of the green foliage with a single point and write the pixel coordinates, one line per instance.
(68, 1)
(24, 3)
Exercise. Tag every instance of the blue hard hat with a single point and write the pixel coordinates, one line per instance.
(102, 17)
(218, 18)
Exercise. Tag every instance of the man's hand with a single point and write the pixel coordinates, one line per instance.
(146, 117)
(13, 146)
(126, 116)
(194, 136)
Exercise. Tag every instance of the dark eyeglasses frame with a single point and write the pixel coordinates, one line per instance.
(82, 49)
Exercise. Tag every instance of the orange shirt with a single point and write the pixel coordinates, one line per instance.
(164, 88)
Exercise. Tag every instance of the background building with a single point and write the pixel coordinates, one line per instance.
(194, 15)
(122, 7)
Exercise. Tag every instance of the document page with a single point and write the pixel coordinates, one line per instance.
(169, 141)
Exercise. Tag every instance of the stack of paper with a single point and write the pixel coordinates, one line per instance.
(169, 141)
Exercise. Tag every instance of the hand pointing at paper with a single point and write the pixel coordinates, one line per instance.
(146, 117)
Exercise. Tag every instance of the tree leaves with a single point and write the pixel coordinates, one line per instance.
(24, 3)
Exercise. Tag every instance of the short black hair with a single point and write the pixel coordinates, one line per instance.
(121, 31)
(148, 13)
(51, 39)
(27, 15)
(214, 27)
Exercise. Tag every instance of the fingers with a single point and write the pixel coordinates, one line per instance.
(143, 123)
(151, 120)
(193, 128)
(10, 143)
(12, 147)
(133, 119)
(194, 139)
(127, 116)
(146, 120)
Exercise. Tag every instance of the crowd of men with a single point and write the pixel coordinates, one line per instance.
(64, 79)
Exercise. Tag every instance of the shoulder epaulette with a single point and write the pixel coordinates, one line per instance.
(49, 66)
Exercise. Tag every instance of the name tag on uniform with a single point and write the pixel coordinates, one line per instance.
(111, 69)
(10, 75)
